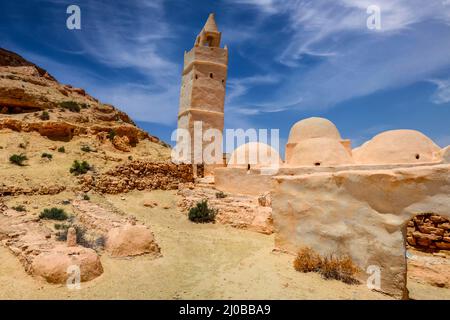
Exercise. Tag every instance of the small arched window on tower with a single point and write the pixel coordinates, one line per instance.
(196, 76)
(209, 41)
(211, 75)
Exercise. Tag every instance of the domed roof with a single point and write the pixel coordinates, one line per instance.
(254, 153)
(313, 128)
(397, 146)
(319, 152)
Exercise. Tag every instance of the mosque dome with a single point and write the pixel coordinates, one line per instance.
(320, 152)
(255, 154)
(397, 146)
(313, 128)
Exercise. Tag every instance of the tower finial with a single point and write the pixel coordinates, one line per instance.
(209, 35)
(210, 25)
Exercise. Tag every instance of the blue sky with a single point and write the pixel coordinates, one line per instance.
(289, 59)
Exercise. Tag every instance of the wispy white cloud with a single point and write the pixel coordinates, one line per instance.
(411, 46)
(442, 93)
(238, 87)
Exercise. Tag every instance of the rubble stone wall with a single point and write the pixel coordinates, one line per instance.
(140, 175)
(429, 232)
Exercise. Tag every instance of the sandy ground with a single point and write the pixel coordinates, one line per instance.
(209, 261)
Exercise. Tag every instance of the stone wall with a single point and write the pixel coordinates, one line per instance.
(429, 232)
(140, 175)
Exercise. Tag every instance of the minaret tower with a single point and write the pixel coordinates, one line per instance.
(202, 96)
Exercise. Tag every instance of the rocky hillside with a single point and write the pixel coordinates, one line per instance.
(49, 125)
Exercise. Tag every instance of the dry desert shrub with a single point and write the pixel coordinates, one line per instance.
(307, 260)
(330, 267)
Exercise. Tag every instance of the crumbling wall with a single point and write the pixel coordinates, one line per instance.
(140, 175)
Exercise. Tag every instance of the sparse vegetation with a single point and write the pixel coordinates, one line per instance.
(71, 106)
(47, 155)
(62, 149)
(201, 213)
(86, 148)
(82, 238)
(44, 116)
(79, 168)
(111, 134)
(20, 208)
(54, 214)
(18, 159)
(22, 146)
(86, 197)
(220, 195)
(330, 267)
(130, 158)
(84, 105)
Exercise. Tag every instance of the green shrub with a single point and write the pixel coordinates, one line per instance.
(86, 149)
(111, 134)
(22, 146)
(59, 226)
(86, 197)
(130, 158)
(70, 105)
(201, 213)
(18, 159)
(220, 195)
(84, 106)
(54, 214)
(20, 208)
(80, 167)
(44, 116)
(47, 155)
(62, 149)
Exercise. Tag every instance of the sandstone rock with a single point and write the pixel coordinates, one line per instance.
(122, 143)
(150, 203)
(71, 237)
(53, 265)
(265, 200)
(131, 240)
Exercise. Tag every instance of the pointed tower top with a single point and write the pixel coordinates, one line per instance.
(210, 25)
(209, 36)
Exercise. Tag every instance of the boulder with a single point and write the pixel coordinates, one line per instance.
(131, 240)
(53, 265)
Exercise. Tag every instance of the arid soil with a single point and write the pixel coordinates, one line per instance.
(199, 261)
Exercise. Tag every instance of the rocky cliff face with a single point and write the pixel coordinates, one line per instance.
(31, 100)
(53, 124)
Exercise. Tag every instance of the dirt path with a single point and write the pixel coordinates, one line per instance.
(199, 262)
